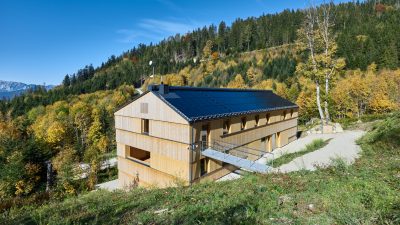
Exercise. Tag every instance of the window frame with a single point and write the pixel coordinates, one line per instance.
(144, 161)
(145, 126)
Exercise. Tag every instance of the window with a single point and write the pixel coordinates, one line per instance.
(291, 113)
(267, 117)
(226, 127)
(284, 115)
(145, 126)
(243, 123)
(144, 107)
(139, 155)
(203, 166)
(257, 119)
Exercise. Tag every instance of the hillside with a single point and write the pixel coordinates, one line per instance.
(363, 193)
(80, 129)
(74, 123)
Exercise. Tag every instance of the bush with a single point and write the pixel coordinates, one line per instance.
(386, 132)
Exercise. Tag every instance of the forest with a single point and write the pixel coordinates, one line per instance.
(73, 123)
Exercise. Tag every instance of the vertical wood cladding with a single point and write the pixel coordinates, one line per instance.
(168, 139)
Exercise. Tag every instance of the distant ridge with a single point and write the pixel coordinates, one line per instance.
(10, 89)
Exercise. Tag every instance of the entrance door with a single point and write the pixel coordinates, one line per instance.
(203, 166)
(204, 136)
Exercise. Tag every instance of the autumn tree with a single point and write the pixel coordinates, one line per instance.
(98, 144)
(322, 65)
(254, 74)
(207, 50)
(65, 163)
(238, 82)
(80, 116)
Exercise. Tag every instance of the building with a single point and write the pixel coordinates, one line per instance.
(161, 135)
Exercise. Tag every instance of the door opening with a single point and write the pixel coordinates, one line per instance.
(203, 166)
(205, 132)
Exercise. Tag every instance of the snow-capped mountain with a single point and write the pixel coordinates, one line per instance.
(9, 89)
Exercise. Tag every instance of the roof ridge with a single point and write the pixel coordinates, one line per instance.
(161, 97)
(216, 89)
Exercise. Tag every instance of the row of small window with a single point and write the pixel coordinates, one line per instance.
(243, 122)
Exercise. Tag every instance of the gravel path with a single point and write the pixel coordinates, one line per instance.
(342, 145)
(110, 185)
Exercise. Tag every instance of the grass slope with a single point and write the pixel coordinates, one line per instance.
(366, 192)
(313, 146)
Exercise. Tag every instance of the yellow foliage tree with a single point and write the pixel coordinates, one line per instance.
(265, 84)
(207, 50)
(281, 90)
(65, 163)
(254, 74)
(366, 92)
(55, 133)
(238, 82)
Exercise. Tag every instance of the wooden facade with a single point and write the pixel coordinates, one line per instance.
(157, 146)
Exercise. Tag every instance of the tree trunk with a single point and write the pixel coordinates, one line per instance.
(321, 113)
(49, 175)
(327, 116)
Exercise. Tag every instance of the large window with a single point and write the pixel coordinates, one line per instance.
(243, 123)
(145, 126)
(226, 127)
(284, 115)
(139, 155)
(268, 116)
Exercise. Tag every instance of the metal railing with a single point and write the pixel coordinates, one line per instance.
(235, 150)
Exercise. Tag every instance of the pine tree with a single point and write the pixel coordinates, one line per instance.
(66, 82)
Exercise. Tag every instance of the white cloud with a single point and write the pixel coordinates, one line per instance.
(155, 30)
(162, 26)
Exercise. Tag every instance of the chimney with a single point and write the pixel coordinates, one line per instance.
(163, 89)
(152, 87)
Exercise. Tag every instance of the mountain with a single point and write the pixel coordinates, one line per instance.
(10, 89)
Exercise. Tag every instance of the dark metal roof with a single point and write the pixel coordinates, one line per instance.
(196, 104)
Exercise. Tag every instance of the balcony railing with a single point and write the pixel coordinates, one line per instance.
(235, 150)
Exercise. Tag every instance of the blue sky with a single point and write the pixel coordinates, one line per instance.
(42, 40)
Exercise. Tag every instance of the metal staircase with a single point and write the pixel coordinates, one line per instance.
(239, 156)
